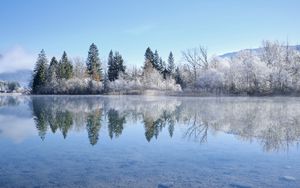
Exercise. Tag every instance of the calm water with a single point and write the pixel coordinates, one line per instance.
(135, 141)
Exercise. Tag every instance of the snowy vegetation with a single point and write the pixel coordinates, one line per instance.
(76, 77)
(9, 87)
(62, 77)
(275, 69)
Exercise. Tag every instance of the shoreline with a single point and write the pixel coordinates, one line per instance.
(158, 94)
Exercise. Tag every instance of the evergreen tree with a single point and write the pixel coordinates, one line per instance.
(148, 67)
(115, 123)
(112, 69)
(93, 126)
(178, 78)
(149, 56)
(40, 117)
(118, 59)
(93, 63)
(53, 70)
(65, 67)
(156, 61)
(115, 65)
(171, 64)
(171, 128)
(65, 122)
(163, 70)
(40, 73)
(149, 129)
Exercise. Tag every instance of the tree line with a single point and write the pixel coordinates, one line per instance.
(272, 69)
(48, 77)
(76, 77)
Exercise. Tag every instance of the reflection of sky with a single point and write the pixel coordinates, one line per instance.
(131, 161)
(16, 129)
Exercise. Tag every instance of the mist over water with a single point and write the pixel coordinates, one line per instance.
(139, 141)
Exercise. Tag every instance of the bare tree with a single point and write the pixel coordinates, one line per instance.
(197, 58)
(79, 69)
(197, 131)
(272, 52)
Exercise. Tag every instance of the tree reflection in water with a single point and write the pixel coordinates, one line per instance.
(115, 123)
(93, 125)
(196, 130)
(273, 122)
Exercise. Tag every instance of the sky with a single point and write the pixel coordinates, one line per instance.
(130, 26)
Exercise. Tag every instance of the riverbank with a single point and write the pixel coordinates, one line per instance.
(188, 93)
(12, 94)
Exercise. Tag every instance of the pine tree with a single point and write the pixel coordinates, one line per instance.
(93, 63)
(148, 67)
(111, 66)
(149, 56)
(156, 61)
(115, 65)
(52, 70)
(118, 59)
(93, 126)
(178, 78)
(171, 64)
(40, 73)
(65, 67)
(163, 68)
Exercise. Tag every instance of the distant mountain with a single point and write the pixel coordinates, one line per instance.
(21, 76)
(254, 51)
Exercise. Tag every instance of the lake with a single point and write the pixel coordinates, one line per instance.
(139, 141)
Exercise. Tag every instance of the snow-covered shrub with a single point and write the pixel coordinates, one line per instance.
(151, 79)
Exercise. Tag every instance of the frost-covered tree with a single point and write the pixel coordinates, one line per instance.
(119, 62)
(294, 69)
(157, 62)
(152, 79)
(275, 69)
(52, 70)
(112, 69)
(40, 73)
(149, 71)
(79, 68)
(164, 69)
(271, 70)
(197, 58)
(171, 64)
(149, 56)
(277, 57)
(65, 67)
(93, 63)
(115, 65)
(178, 78)
(106, 82)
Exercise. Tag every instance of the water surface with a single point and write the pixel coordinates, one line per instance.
(136, 141)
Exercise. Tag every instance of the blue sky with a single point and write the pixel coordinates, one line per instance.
(130, 26)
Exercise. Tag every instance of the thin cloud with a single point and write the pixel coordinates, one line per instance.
(16, 59)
